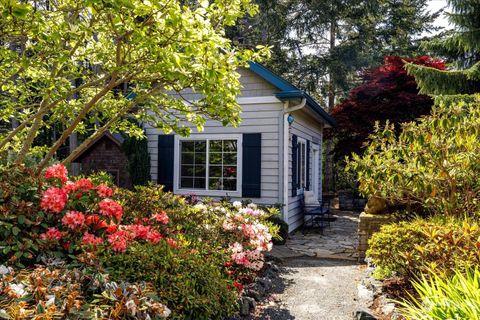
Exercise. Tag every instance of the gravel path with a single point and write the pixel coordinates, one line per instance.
(314, 289)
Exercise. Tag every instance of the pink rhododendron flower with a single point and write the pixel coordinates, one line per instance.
(81, 185)
(51, 234)
(104, 191)
(73, 219)
(161, 217)
(57, 171)
(110, 208)
(140, 231)
(228, 226)
(54, 199)
(154, 237)
(172, 242)
(90, 239)
(119, 240)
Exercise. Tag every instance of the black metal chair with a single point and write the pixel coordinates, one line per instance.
(319, 215)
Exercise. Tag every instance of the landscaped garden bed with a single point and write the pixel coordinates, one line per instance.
(82, 249)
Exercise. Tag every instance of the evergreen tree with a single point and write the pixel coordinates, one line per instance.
(464, 44)
(321, 46)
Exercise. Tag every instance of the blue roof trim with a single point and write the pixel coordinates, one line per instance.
(271, 77)
(289, 91)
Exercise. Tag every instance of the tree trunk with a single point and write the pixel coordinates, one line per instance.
(328, 182)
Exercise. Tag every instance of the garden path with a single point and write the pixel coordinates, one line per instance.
(319, 274)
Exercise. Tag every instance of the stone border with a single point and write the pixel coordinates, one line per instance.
(367, 226)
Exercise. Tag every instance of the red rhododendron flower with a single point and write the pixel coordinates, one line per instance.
(90, 239)
(238, 285)
(161, 217)
(111, 228)
(96, 222)
(51, 234)
(73, 219)
(104, 191)
(139, 231)
(154, 237)
(54, 199)
(81, 185)
(119, 240)
(57, 171)
(110, 208)
(228, 264)
(172, 242)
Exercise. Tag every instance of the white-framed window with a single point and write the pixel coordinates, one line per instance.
(301, 164)
(208, 164)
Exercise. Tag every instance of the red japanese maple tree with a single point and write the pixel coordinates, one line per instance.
(387, 93)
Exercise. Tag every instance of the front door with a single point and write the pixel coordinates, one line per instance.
(316, 170)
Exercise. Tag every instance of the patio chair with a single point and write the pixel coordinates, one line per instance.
(318, 212)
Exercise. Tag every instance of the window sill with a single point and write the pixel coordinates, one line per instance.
(208, 193)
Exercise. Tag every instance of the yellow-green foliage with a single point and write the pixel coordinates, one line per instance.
(433, 163)
(413, 248)
(456, 297)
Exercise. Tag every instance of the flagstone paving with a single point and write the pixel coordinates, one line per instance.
(319, 274)
(337, 241)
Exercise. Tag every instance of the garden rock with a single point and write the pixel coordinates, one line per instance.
(363, 315)
(247, 305)
(264, 282)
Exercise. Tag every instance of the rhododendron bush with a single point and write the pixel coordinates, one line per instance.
(159, 242)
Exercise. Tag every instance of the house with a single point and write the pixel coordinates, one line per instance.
(106, 154)
(271, 158)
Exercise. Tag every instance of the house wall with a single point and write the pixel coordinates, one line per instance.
(261, 113)
(307, 127)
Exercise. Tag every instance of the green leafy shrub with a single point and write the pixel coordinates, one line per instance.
(282, 230)
(433, 164)
(451, 298)
(190, 281)
(19, 216)
(414, 247)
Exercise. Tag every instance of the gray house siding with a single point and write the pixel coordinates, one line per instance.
(267, 126)
(262, 116)
(261, 113)
(307, 128)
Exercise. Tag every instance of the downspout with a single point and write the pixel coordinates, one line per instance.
(286, 138)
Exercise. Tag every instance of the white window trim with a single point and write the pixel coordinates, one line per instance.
(206, 192)
(304, 141)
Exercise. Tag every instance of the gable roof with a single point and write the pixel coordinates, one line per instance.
(289, 91)
(116, 138)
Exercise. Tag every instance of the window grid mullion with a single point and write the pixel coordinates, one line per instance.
(207, 171)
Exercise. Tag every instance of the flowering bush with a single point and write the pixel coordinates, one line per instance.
(195, 257)
(70, 216)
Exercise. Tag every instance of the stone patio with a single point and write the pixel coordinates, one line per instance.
(337, 241)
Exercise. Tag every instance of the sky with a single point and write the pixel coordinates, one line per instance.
(435, 5)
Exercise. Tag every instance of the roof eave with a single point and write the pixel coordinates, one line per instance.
(314, 106)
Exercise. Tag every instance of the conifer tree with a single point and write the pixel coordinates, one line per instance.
(464, 43)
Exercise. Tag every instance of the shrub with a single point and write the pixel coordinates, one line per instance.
(190, 281)
(433, 163)
(55, 214)
(413, 248)
(450, 298)
(61, 293)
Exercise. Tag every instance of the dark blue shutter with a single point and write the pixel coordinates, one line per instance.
(166, 154)
(307, 187)
(252, 165)
(294, 165)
